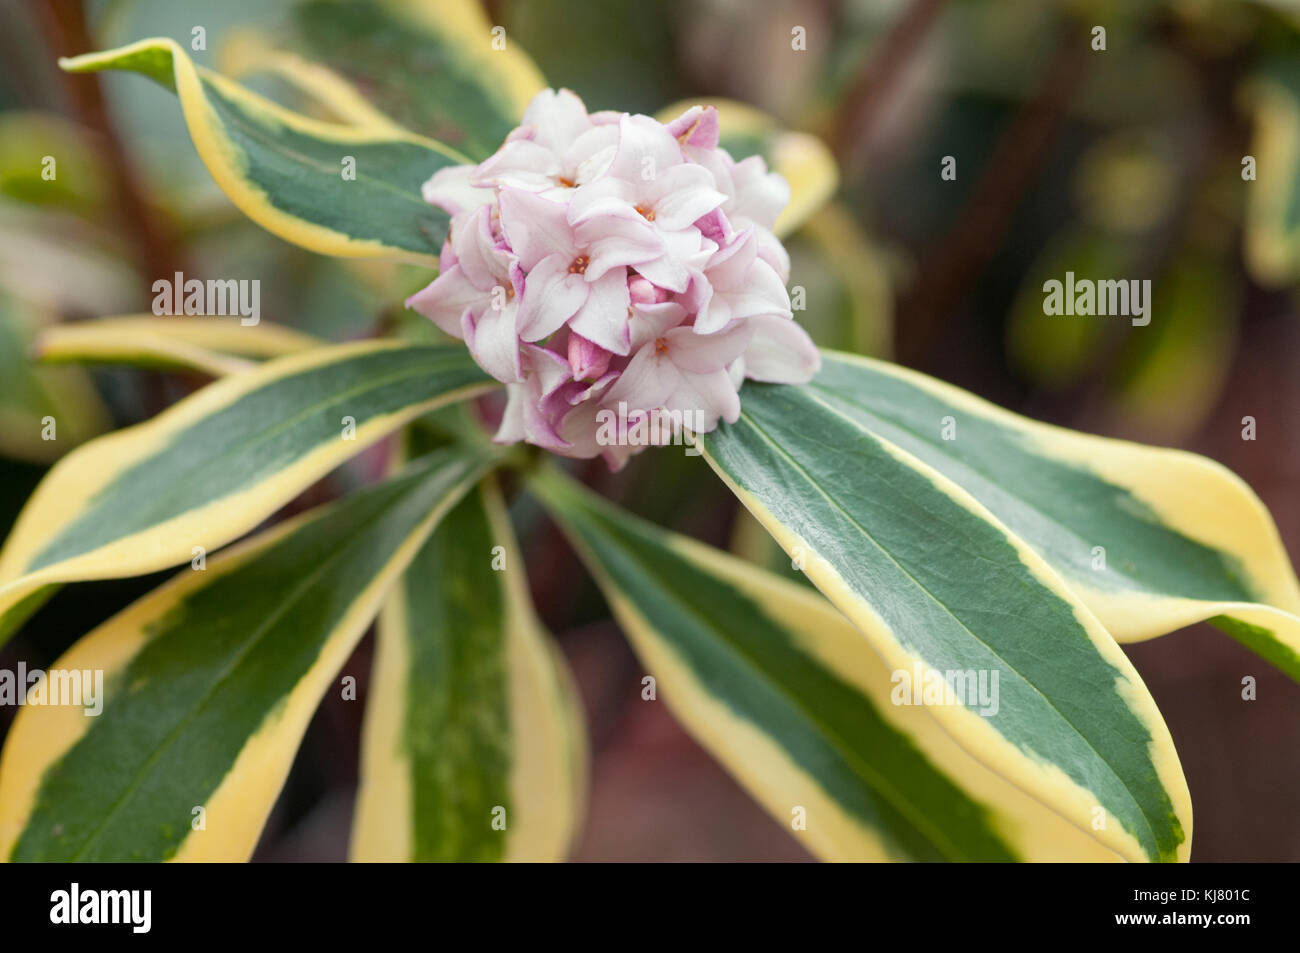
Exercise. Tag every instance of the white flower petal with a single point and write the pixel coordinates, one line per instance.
(494, 341)
(780, 352)
(451, 190)
(706, 353)
(536, 227)
(552, 295)
(645, 148)
(445, 300)
(684, 193)
(603, 317)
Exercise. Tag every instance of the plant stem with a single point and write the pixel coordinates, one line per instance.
(1012, 168)
(65, 25)
(871, 91)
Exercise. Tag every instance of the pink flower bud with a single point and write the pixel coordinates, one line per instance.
(642, 292)
(588, 360)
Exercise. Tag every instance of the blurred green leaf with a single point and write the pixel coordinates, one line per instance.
(44, 411)
(848, 289)
(1173, 371)
(614, 55)
(1055, 351)
(46, 160)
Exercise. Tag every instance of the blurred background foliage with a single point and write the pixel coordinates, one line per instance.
(1117, 163)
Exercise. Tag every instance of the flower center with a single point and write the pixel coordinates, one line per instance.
(647, 213)
(579, 266)
(661, 346)
(566, 182)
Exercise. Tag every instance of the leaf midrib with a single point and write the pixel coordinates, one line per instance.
(264, 135)
(1134, 583)
(886, 790)
(865, 770)
(177, 485)
(1019, 675)
(307, 581)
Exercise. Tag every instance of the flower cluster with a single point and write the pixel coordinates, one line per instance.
(608, 263)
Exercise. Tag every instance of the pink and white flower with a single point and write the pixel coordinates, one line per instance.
(602, 261)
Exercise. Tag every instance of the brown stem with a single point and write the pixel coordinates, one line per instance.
(65, 25)
(967, 248)
(1226, 136)
(875, 84)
